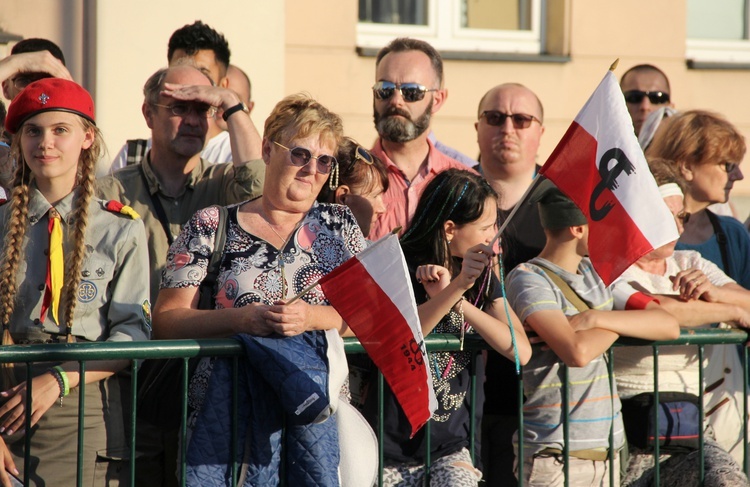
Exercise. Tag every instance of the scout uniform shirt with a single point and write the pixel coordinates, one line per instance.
(113, 295)
(208, 184)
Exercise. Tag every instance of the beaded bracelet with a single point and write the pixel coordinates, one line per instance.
(62, 381)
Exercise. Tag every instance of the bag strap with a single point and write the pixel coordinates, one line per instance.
(721, 239)
(206, 291)
(567, 291)
(136, 151)
(161, 214)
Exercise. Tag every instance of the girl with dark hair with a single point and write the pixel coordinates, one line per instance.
(73, 269)
(456, 291)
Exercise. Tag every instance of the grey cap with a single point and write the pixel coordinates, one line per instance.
(555, 209)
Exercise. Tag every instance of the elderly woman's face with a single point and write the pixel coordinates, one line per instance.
(712, 181)
(297, 169)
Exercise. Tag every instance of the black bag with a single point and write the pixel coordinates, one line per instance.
(160, 380)
(679, 421)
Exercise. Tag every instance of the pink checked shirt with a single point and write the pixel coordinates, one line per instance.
(402, 197)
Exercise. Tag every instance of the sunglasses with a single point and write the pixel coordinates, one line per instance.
(497, 119)
(182, 110)
(655, 97)
(729, 166)
(410, 92)
(301, 157)
(362, 154)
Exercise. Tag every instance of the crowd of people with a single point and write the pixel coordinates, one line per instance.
(232, 226)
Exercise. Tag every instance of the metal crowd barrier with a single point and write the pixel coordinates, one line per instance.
(187, 349)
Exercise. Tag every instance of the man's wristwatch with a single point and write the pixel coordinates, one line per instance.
(236, 108)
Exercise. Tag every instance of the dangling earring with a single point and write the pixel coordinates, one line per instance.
(333, 179)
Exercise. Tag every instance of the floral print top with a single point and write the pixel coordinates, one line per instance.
(252, 270)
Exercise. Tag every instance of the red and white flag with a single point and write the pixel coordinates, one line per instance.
(372, 292)
(600, 166)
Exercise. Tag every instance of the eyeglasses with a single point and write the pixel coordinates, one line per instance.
(182, 110)
(410, 92)
(301, 157)
(497, 119)
(23, 80)
(729, 166)
(655, 97)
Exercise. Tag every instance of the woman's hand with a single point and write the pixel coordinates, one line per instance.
(8, 465)
(45, 391)
(693, 284)
(288, 319)
(434, 278)
(476, 259)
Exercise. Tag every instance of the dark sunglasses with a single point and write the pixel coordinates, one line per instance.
(497, 119)
(655, 97)
(410, 92)
(728, 166)
(362, 154)
(301, 157)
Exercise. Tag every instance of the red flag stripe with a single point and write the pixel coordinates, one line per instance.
(372, 315)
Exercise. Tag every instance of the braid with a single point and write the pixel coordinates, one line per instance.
(13, 251)
(81, 219)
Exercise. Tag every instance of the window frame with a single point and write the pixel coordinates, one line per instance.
(444, 32)
(720, 50)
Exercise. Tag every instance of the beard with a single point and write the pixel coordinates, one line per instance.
(403, 130)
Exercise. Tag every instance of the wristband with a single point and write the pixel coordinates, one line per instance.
(236, 108)
(64, 377)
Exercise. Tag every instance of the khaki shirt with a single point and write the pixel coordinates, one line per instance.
(208, 184)
(113, 296)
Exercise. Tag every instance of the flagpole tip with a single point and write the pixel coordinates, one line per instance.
(614, 64)
(396, 230)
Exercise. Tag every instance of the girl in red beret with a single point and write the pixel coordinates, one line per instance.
(73, 269)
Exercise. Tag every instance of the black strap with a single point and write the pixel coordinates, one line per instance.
(161, 214)
(136, 151)
(721, 239)
(206, 289)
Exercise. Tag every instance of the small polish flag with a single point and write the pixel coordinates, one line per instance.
(601, 167)
(372, 292)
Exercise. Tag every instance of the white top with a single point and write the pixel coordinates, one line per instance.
(678, 365)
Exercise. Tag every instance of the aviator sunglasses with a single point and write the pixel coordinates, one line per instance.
(520, 120)
(301, 157)
(410, 92)
(655, 97)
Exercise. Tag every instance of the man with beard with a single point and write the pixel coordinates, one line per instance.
(509, 128)
(408, 90)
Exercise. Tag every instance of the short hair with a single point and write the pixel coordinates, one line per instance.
(644, 68)
(698, 137)
(198, 36)
(299, 116)
(403, 44)
(36, 44)
(517, 85)
(665, 172)
(155, 83)
(355, 173)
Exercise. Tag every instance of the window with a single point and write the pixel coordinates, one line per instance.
(454, 25)
(717, 31)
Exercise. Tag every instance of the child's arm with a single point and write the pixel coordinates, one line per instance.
(575, 349)
(493, 327)
(651, 323)
(696, 312)
(8, 465)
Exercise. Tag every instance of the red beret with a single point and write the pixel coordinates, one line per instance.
(46, 95)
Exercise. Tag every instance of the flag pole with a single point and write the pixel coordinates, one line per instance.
(614, 64)
(531, 187)
(312, 285)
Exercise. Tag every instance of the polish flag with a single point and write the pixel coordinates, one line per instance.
(372, 292)
(601, 167)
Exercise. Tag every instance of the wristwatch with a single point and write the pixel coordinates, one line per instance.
(236, 108)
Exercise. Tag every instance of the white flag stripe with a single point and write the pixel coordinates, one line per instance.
(637, 193)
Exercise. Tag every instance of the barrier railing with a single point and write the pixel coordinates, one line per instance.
(187, 349)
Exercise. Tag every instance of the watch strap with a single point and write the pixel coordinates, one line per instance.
(231, 110)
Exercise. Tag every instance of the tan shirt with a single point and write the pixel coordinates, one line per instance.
(208, 184)
(113, 294)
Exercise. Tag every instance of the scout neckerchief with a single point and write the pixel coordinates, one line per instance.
(55, 267)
